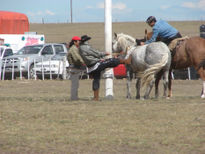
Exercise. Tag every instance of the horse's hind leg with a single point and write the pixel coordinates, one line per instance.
(170, 83)
(148, 89)
(158, 77)
(138, 84)
(165, 82)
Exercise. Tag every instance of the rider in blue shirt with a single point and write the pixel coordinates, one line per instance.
(163, 30)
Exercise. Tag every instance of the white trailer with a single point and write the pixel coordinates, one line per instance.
(17, 41)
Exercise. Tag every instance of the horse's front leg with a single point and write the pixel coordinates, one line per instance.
(129, 79)
(138, 85)
(203, 90)
(128, 88)
(201, 72)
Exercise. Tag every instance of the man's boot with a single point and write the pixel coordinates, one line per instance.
(96, 95)
(126, 61)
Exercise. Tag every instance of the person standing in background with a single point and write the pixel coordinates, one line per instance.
(76, 65)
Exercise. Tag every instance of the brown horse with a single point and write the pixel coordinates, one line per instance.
(190, 52)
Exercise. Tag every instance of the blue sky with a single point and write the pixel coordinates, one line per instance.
(56, 11)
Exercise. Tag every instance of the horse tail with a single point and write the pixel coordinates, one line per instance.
(149, 74)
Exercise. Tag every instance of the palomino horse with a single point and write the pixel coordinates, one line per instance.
(189, 52)
(145, 60)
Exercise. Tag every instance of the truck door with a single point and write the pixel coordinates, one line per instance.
(47, 52)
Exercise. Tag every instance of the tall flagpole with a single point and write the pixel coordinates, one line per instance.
(108, 48)
(71, 12)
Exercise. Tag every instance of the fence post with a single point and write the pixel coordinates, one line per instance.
(42, 69)
(20, 70)
(50, 68)
(189, 73)
(34, 67)
(59, 69)
(13, 69)
(1, 68)
(28, 69)
(4, 69)
(172, 74)
(64, 68)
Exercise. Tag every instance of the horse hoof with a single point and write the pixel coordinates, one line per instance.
(156, 97)
(146, 97)
(203, 96)
(128, 97)
(137, 97)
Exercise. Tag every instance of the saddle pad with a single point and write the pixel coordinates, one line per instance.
(174, 42)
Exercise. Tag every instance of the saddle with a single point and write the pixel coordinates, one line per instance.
(176, 43)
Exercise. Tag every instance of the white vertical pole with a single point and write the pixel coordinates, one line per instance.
(13, 69)
(28, 69)
(50, 68)
(42, 69)
(1, 61)
(108, 48)
(34, 67)
(4, 69)
(64, 68)
(59, 65)
(189, 73)
(20, 70)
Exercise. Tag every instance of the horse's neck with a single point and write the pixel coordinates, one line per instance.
(129, 51)
(128, 43)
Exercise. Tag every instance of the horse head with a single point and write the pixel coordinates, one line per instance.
(122, 42)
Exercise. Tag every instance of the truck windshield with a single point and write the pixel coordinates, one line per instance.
(30, 50)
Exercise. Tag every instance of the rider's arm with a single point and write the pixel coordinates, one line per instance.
(154, 36)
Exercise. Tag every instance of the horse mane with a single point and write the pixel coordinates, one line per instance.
(128, 37)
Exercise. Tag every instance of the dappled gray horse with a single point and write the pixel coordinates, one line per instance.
(147, 61)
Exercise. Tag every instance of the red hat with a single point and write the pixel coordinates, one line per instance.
(76, 38)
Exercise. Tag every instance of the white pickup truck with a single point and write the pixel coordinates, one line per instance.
(23, 61)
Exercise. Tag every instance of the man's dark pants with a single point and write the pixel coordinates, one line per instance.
(107, 63)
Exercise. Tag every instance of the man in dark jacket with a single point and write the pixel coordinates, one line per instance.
(96, 63)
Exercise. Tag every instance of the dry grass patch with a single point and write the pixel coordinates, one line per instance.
(39, 118)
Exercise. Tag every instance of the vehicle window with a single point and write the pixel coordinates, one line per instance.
(8, 52)
(30, 50)
(58, 49)
(48, 50)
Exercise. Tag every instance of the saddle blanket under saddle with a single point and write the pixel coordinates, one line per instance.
(174, 43)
